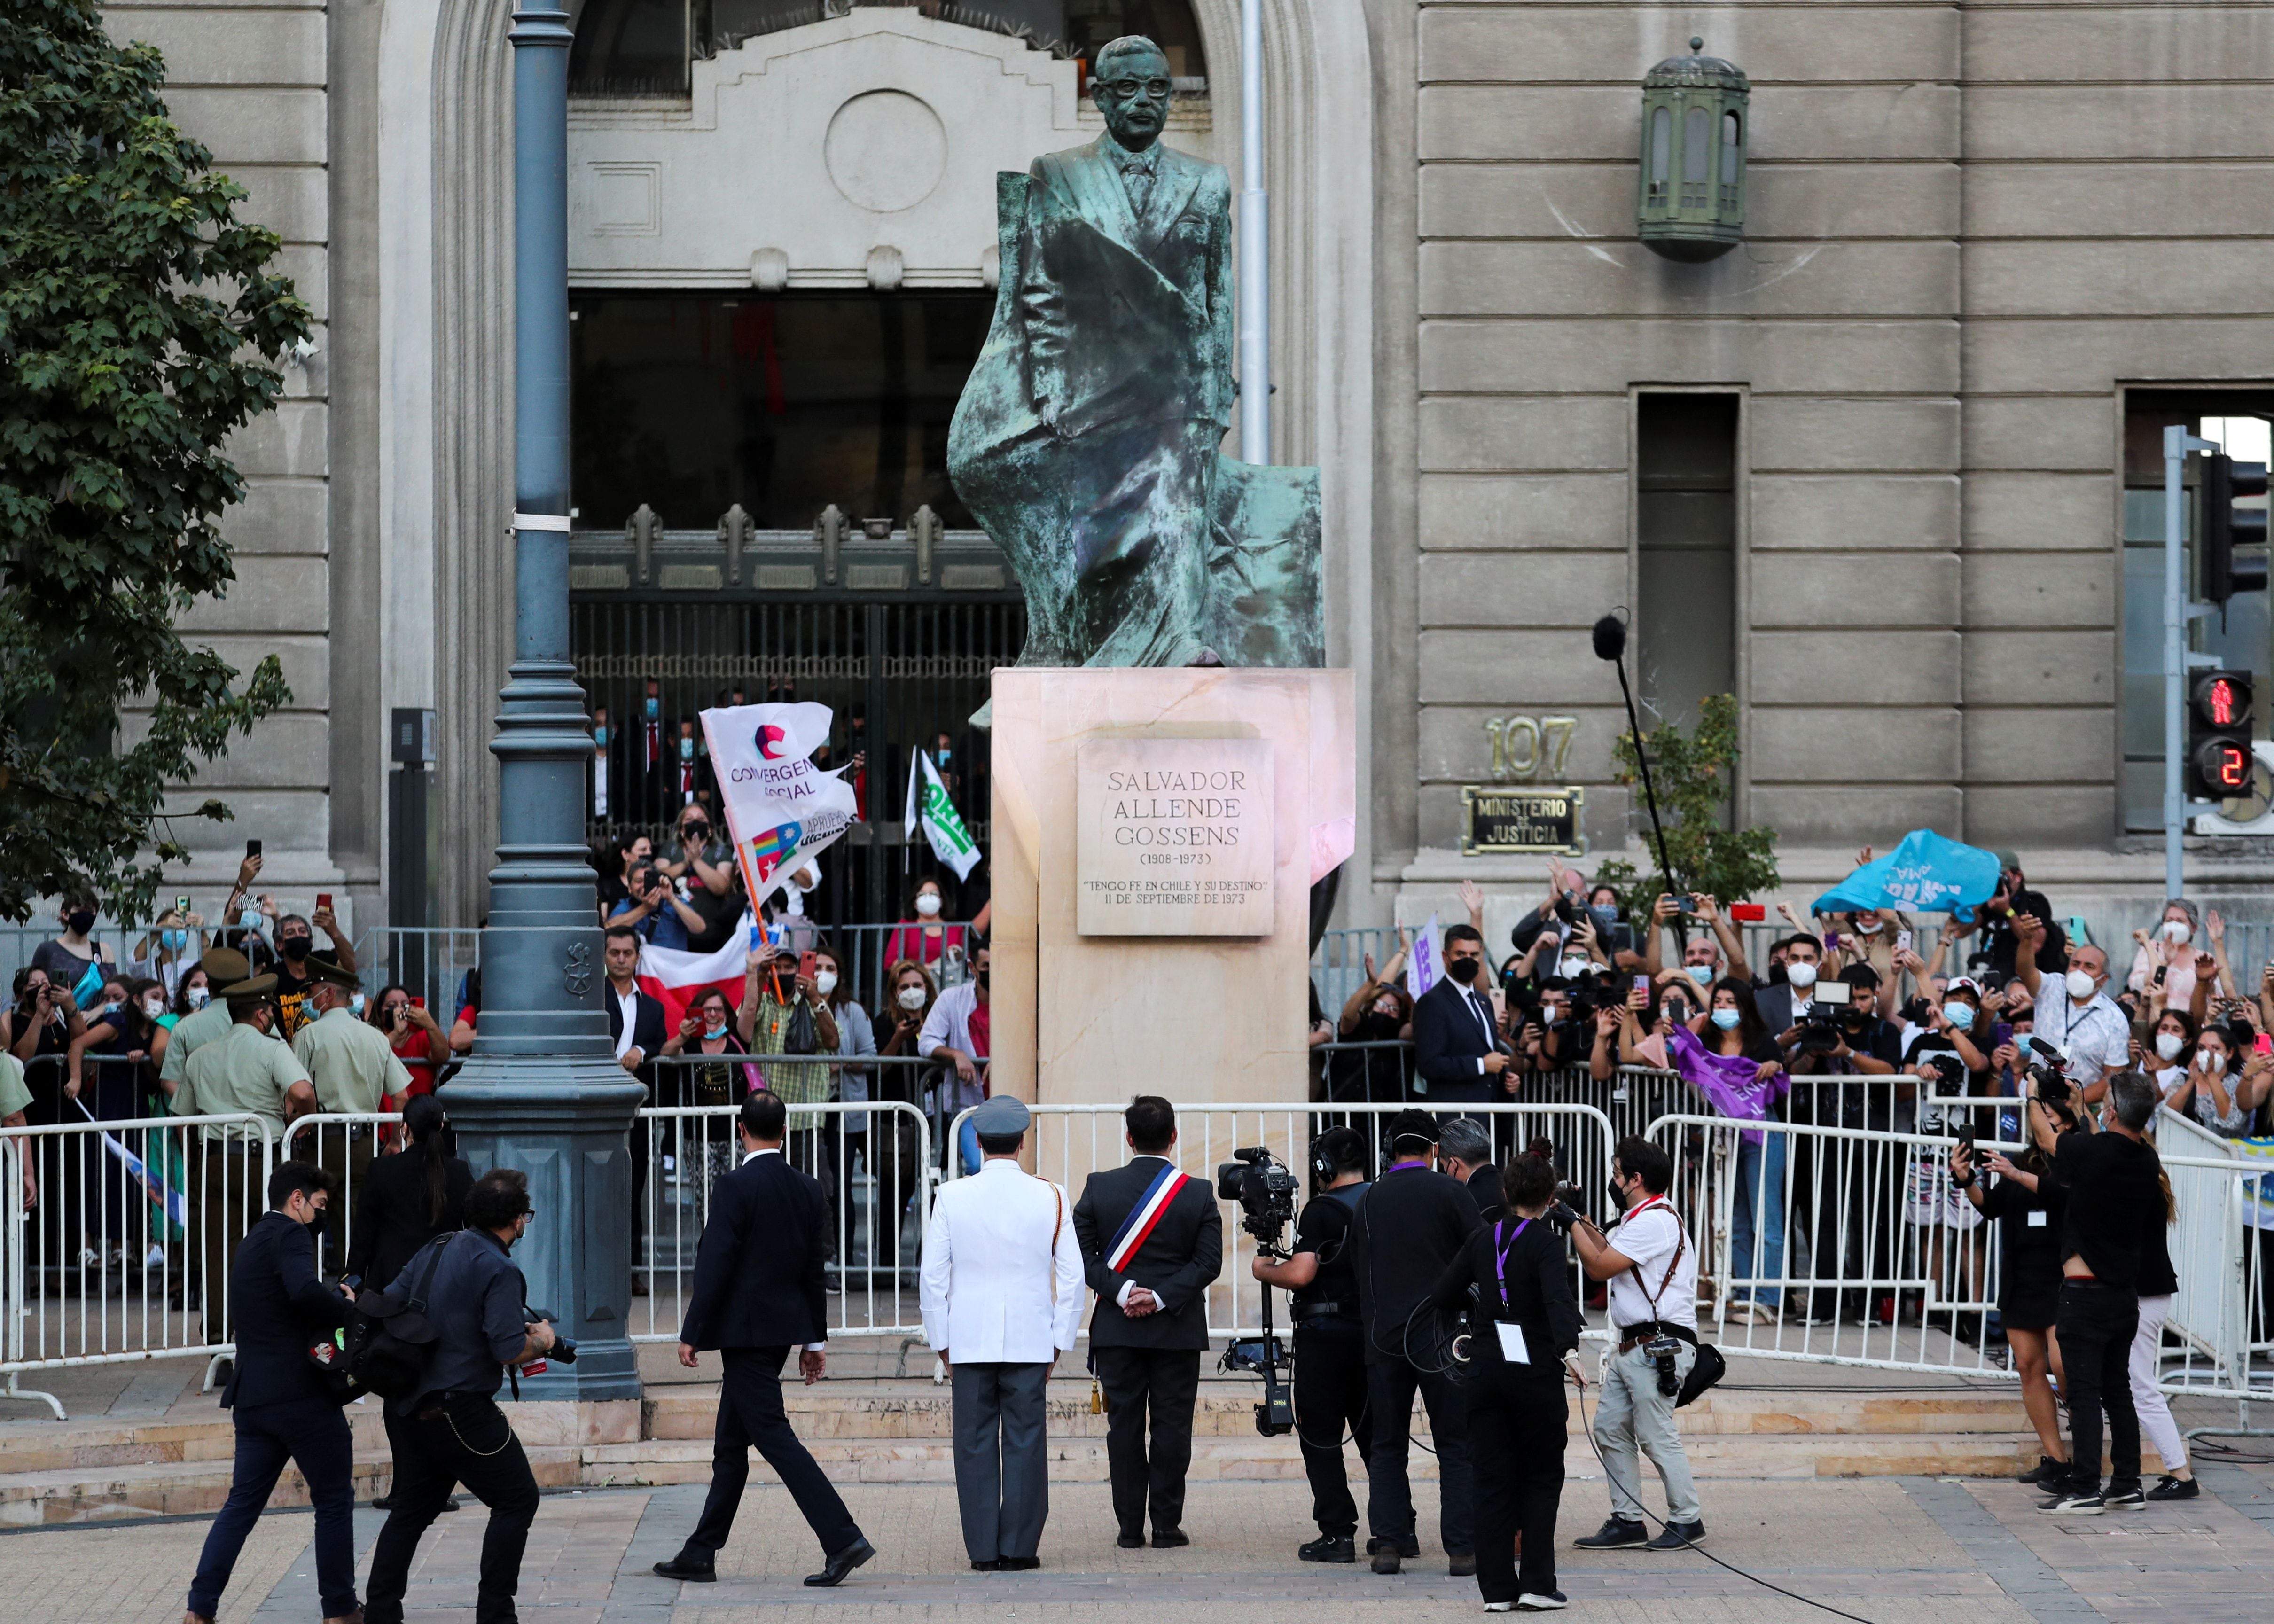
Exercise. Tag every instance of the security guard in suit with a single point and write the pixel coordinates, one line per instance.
(353, 1069)
(1329, 1338)
(1151, 1240)
(248, 1071)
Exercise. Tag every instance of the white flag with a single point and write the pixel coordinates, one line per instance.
(1426, 970)
(780, 807)
(951, 841)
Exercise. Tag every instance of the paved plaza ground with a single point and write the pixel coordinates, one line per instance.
(1887, 1550)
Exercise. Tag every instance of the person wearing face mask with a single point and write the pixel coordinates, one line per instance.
(920, 938)
(2170, 1048)
(1650, 1264)
(296, 944)
(1733, 1060)
(71, 956)
(203, 1020)
(353, 1069)
(2169, 948)
(1378, 1013)
(1459, 1057)
(110, 1071)
(908, 999)
(958, 1033)
(167, 950)
(1784, 1005)
(2211, 1090)
(2074, 1012)
(194, 993)
(1707, 956)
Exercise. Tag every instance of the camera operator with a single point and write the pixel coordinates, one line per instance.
(1652, 1271)
(2112, 1183)
(1329, 1338)
(1523, 1330)
(1413, 1222)
(456, 1432)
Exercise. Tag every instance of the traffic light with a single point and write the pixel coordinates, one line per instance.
(2219, 757)
(2224, 529)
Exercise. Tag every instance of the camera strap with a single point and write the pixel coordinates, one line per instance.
(1681, 1242)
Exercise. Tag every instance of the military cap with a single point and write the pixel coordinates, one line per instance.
(244, 995)
(325, 970)
(224, 965)
(1000, 1117)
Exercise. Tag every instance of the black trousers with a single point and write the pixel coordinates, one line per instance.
(313, 1434)
(750, 1413)
(1516, 1436)
(2096, 1326)
(1139, 1383)
(454, 1438)
(1391, 1385)
(1330, 1398)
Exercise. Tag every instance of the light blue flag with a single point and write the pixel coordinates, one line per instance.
(1926, 873)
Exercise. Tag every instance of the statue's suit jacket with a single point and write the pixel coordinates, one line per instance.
(1127, 320)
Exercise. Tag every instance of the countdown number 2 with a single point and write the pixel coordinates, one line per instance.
(1524, 746)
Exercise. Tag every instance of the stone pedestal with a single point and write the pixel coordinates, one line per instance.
(1134, 950)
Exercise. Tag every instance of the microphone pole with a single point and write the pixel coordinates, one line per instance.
(1611, 637)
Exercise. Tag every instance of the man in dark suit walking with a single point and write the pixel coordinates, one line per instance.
(283, 1410)
(1458, 1054)
(758, 1293)
(637, 1028)
(1464, 1155)
(1151, 1240)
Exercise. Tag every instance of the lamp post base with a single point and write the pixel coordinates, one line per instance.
(564, 1121)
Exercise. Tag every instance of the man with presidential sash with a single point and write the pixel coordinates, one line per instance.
(1151, 1242)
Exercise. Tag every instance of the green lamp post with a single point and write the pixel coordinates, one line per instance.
(1690, 200)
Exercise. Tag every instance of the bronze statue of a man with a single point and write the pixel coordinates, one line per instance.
(1086, 441)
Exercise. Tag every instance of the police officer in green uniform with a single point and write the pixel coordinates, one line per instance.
(248, 1072)
(223, 966)
(354, 1070)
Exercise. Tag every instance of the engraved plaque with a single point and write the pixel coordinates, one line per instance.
(1176, 838)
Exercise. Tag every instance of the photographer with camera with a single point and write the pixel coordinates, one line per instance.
(1651, 1267)
(2027, 1207)
(1151, 1241)
(453, 1431)
(1523, 1331)
(1329, 1338)
(1413, 1222)
(2114, 1187)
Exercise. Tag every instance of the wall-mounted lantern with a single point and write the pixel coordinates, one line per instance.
(1690, 202)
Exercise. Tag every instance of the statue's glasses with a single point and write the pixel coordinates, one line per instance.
(1125, 89)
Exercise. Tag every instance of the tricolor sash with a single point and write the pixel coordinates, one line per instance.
(1136, 1226)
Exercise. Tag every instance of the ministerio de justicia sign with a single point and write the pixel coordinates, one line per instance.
(1176, 838)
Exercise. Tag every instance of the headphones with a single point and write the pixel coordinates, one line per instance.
(1335, 1150)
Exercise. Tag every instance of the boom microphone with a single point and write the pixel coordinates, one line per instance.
(1610, 637)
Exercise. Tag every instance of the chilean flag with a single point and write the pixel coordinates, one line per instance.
(1137, 1226)
(677, 978)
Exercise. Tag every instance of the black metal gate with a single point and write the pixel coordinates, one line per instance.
(900, 676)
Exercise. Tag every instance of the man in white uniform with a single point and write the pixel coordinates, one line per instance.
(1002, 1299)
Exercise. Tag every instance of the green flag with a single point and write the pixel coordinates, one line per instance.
(929, 806)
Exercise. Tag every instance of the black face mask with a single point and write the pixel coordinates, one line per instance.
(695, 831)
(294, 948)
(1464, 970)
(80, 920)
(982, 976)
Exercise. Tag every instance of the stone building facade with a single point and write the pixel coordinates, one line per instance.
(1869, 472)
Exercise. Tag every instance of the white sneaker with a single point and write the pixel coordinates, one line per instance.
(1533, 1601)
(155, 1258)
(1500, 1607)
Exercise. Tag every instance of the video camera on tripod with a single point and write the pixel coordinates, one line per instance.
(1265, 1191)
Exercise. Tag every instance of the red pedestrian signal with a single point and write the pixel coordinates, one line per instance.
(2220, 760)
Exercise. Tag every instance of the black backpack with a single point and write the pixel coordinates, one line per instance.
(388, 1334)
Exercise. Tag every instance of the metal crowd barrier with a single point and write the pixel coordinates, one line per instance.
(1069, 1142)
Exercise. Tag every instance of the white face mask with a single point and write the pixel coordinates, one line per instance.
(2080, 984)
(1570, 969)
(1872, 929)
(824, 982)
(153, 1007)
(1703, 974)
(199, 997)
(2210, 1060)
(2168, 1044)
(927, 905)
(356, 1005)
(912, 997)
(2178, 932)
(1801, 975)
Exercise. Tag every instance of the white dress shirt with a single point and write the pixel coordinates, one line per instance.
(629, 1003)
(995, 1288)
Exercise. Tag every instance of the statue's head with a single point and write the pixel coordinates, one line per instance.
(1129, 81)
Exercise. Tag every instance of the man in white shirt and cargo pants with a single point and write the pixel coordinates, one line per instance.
(1651, 1267)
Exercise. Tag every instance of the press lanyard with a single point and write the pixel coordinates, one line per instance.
(1500, 1263)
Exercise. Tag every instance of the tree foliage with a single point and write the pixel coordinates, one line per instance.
(139, 326)
(1692, 777)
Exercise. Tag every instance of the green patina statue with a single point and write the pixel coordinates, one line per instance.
(1086, 440)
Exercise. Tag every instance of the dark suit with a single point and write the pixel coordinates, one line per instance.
(393, 1224)
(1484, 1187)
(279, 1307)
(648, 1036)
(1451, 1033)
(758, 1293)
(1151, 1365)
